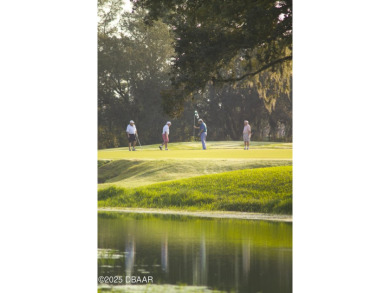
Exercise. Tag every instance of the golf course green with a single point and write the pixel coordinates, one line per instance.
(224, 177)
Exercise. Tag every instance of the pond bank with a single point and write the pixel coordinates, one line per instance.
(203, 214)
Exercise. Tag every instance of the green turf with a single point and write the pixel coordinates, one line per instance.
(267, 190)
(134, 173)
(192, 150)
(213, 145)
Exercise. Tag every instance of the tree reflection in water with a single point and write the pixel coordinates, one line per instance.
(244, 256)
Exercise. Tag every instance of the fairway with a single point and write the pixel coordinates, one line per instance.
(175, 178)
(216, 150)
(149, 165)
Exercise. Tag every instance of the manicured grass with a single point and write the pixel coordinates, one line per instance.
(134, 173)
(266, 190)
(192, 150)
(212, 145)
(171, 179)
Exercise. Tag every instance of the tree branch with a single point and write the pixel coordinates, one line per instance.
(119, 89)
(256, 72)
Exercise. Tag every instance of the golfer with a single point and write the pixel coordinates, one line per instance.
(202, 132)
(131, 134)
(165, 136)
(246, 134)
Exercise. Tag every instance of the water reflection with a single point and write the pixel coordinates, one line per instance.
(222, 254)
(246, 259)
(130, 257)
(164, 254)
(199, 267)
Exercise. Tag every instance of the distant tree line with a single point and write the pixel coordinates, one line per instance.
(137, 61)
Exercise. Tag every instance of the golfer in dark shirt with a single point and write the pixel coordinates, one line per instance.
(202, 132)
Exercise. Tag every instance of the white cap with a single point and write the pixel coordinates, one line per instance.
(131, 121)
(169, 122)
(246, 121)
(200, 120)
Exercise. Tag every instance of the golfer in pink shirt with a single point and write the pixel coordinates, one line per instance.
(246, 134)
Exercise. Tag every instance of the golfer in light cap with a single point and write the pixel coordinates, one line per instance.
(165, 136)
(131, 134)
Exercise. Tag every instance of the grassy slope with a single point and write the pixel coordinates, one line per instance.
(149, 165)
(134, 173)
(267, 190)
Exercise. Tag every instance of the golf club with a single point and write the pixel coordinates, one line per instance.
(138, 140)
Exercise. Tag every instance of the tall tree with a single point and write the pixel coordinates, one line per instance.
(133, 62)
(227, 41)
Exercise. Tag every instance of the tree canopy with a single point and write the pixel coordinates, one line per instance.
(246, 42)
(132, 70)
(141, 77)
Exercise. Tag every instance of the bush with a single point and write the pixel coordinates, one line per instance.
(110, 192)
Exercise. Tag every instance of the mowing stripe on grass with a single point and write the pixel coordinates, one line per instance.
(135, 173)
(192, 150)
(268, 154)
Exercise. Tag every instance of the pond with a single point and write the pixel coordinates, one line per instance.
(201, 254)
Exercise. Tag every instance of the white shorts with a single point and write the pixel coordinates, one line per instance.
(246, 137)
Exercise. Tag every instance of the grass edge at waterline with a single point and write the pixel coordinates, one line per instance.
(262, 190)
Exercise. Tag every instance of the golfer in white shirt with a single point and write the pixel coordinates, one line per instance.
(165, 136)
(132, 134)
